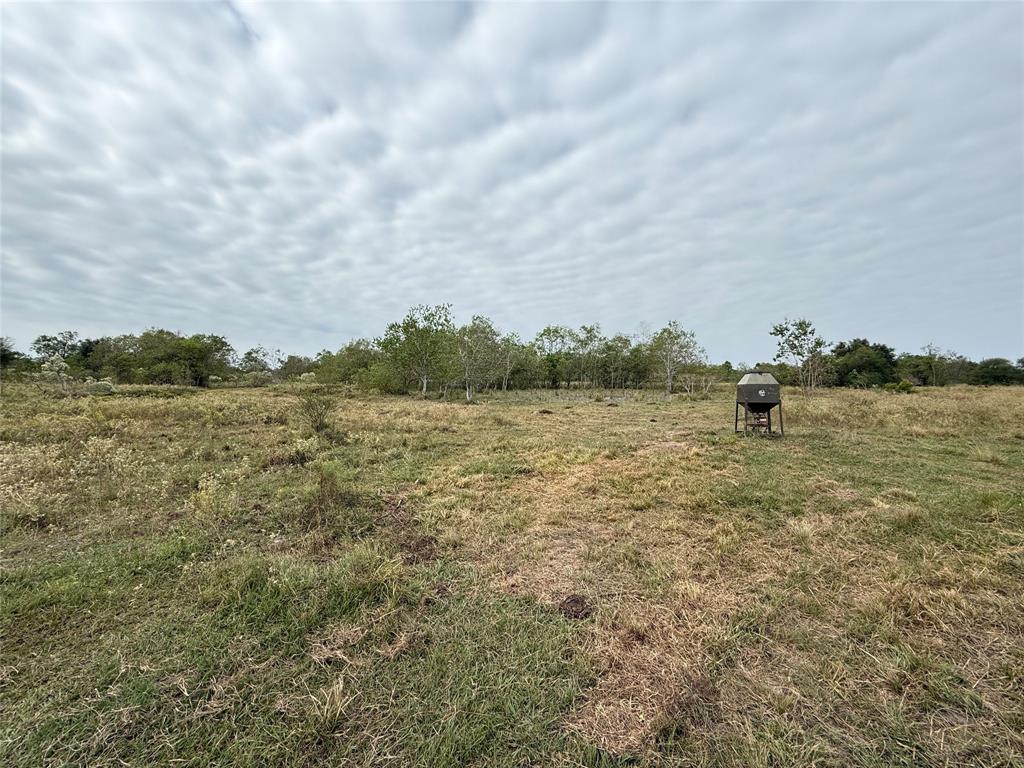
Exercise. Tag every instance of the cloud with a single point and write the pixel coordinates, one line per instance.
(297, 175)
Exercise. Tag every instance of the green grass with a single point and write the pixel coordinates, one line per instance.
(196, 578)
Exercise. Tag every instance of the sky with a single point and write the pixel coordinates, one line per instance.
(297, 175)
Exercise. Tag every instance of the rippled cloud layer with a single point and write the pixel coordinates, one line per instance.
(299, 174)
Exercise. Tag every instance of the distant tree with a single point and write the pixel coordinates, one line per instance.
(165, 357)
(638, 363)
(9, 356)
(63, 344)
(936, 365)
(421, 345)
(672, 348)
(859, 363)
(259, 360)
(555, 344)
(480, 354)
(348, 363)
(997, 370)
(613, 355)
(587, 342)
(295, 366)
(513, 354)
(801, 347)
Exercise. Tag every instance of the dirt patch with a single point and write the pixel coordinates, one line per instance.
(695, 704)
(576, 607)
(421, 549)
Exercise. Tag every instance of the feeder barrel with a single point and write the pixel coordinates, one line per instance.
(758, 389)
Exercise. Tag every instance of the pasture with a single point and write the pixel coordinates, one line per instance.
(195, 577)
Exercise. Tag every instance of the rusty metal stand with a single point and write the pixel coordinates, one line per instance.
(757, 421)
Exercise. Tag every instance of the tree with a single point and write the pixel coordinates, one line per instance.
(480, 354)
(801, 347)
(64, 345)
(165, 357)
(613, 357)
(259, 360)
(421, 344)
(587, 344)
(638, 363)
(348, 363)
(555, 344)
(859, 363)
(674, 347)
(512, 354)
(9, 356)
(294, 366)
(997, 370)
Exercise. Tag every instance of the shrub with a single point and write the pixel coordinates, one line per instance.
(334, 503)
(901, 386)
(315, 409)
(101, 387)
(258, 378)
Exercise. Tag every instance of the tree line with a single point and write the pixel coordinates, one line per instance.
(426, 351)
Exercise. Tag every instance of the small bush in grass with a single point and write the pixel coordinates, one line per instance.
(335, 504)
(903, 386)
(315, 409)
(101, 387)
(300, 452)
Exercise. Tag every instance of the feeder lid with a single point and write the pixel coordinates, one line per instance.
(757, 377)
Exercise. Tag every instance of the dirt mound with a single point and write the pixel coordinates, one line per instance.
(576, 607)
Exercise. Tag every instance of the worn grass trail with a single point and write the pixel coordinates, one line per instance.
(195, 577)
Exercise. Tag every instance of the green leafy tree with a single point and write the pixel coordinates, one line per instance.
(514, 354)
(9, 356)
(349, 363)
(613, 356)
(801, 347)
(997, 370)
(259, 360)
(295, 366)
(672, 348)
(64, 344)
(480, 354)
(859, 363)
(421, 345)
(555, 345)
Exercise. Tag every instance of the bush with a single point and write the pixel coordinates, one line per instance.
(335, 504)
(381, 377)
(258, 378)
(315, 409)
(101, 387)
(903, 386)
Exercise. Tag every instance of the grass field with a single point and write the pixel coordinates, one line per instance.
(194, 578)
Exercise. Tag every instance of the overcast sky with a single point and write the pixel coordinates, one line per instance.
(296, 175)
